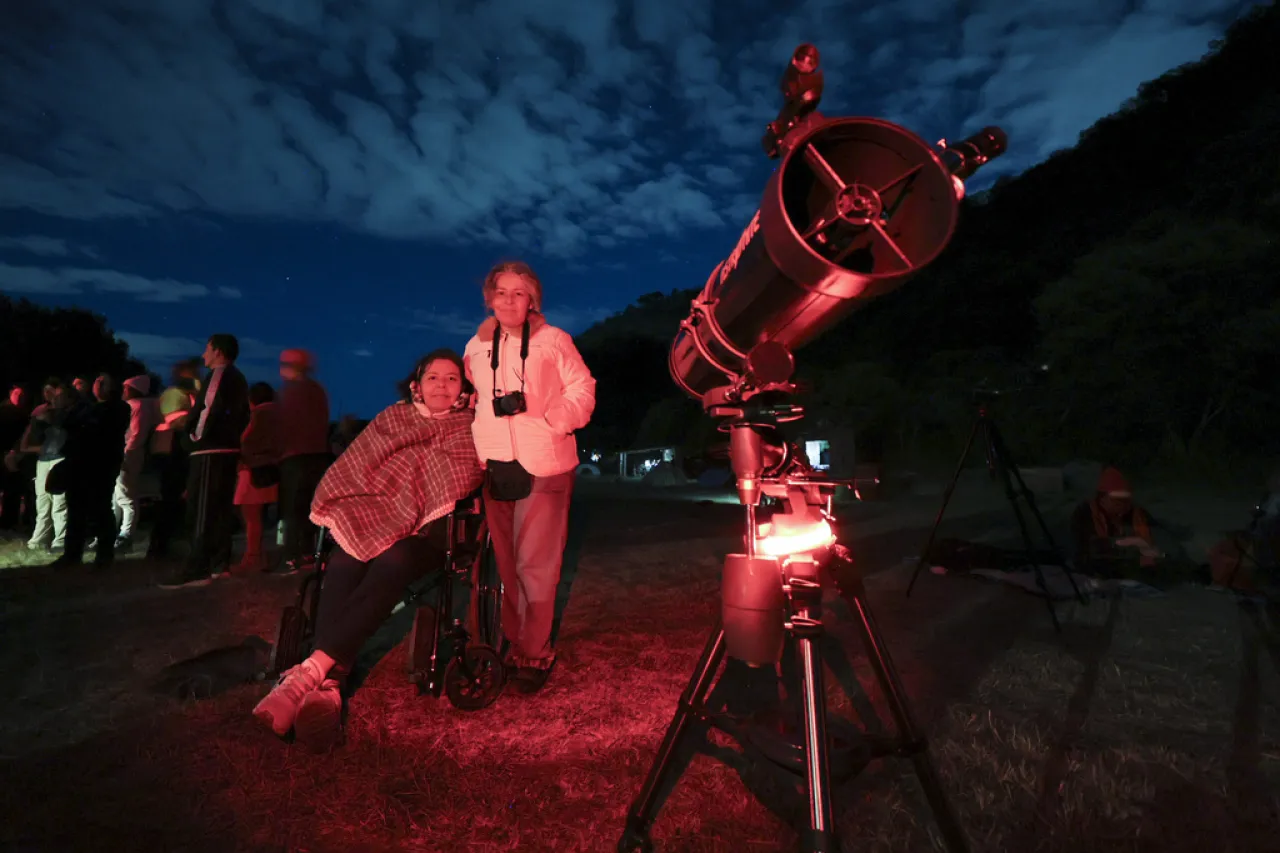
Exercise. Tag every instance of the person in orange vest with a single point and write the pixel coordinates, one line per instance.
(1110, 531)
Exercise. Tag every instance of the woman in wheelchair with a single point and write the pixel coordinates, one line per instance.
(381, 501)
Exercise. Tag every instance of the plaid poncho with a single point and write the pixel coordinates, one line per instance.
(401, 472)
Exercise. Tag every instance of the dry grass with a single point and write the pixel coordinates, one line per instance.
(1150, 725)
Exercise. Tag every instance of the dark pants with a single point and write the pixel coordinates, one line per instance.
(91, 513)
(211, 489)
(358, 597)
(173, 469)
(299, 477)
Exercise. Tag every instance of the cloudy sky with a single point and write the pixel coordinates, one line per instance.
(339, 175)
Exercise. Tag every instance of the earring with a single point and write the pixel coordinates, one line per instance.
(417, 396)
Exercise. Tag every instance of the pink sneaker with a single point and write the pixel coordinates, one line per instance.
(279, 708)
(318, 723)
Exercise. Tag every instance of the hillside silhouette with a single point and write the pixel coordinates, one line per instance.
(1139, 264)
(37, 342)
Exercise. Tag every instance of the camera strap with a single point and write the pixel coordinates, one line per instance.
(524, 355)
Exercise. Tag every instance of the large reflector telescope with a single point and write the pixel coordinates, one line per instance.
(855, 207)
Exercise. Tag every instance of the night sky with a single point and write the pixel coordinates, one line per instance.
(339, 175)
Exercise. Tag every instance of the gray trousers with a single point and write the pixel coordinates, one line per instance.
(529, 536)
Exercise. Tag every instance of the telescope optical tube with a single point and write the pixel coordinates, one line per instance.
(855, 208)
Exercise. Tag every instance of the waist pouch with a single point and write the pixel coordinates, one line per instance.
(507, 481)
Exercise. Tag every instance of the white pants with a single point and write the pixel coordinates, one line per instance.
(125, 500)
(51, 512)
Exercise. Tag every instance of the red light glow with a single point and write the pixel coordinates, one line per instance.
(779, 540)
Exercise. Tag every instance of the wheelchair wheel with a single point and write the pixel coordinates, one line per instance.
(474, 679)
(488, 593)
(291, 640)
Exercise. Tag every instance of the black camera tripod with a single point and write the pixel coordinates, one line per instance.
(1000, 464)
(761, 470)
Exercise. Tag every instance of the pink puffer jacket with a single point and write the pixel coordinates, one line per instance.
(560, 391)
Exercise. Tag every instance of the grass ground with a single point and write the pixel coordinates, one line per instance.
(1148, 725)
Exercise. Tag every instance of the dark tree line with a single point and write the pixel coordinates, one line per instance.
(1140, 265)
(38, 342)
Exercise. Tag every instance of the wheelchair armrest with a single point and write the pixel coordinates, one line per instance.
(472, 504)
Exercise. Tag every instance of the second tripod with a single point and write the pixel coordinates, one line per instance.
(1000, 464)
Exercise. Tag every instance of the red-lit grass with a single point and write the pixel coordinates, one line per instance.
(1155, 730)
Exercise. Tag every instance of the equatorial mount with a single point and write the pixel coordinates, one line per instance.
(772, 597)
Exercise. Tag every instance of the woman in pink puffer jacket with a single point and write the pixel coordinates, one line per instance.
(533, 392)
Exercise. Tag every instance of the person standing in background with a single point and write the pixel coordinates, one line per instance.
(94, 455)
(170, 453)
(45, 439)
(303, 413)
(214, 427)
(144, 417)
(258, 476)
(15, 481)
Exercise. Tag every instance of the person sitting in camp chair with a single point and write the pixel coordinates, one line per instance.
(1111, 533)
(384, 502)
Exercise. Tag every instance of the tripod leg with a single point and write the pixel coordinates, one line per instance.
(1008, 470)
(942, 510)
(644, 809)
(821, 835)
(1030, 497)
(913, 741)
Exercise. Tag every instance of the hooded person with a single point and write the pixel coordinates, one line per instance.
(533, 392)
(144, 417)
(1110, 529)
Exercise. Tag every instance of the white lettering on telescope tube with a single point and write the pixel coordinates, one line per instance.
(732, 261)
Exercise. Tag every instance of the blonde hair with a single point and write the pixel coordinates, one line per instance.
(521, 269)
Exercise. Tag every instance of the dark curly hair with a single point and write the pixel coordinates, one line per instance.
(403, 386)
(261, 392)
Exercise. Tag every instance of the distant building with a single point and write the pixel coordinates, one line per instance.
(634, 464)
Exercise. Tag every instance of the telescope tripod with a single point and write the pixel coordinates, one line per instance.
(812, 758)
(1000, 464)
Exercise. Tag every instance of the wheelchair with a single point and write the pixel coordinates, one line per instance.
(445, 656)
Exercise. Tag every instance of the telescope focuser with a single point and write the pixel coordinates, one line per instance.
(801, 88)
